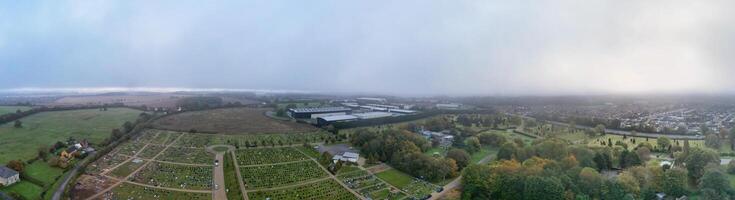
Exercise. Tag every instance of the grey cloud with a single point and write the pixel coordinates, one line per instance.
(393, 47)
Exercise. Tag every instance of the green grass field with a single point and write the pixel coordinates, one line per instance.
(395, 178)
(26, 189)
(45, 129)
(484, 152)
(42, 171)
(12, 109)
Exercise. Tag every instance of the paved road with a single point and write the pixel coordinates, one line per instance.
(60, 191)
(219, 179)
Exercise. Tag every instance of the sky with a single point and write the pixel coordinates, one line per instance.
(411, 47)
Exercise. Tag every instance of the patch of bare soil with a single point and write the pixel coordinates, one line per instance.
(230, 121)
(89, 185)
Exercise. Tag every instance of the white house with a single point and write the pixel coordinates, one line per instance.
(8, 176)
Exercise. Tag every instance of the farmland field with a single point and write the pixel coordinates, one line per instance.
(230, 120)
(12, 109)
(326, 189)
(47, 128)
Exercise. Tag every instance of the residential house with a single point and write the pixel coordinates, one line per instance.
(8, 176)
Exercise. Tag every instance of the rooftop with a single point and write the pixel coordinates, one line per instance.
(6, 172)
(338, 117)
(322, 109)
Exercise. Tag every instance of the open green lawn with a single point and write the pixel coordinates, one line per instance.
(49, 127)
(12, 109)
(395, 178)
(232, 185)
(484, 152)
(433, 150)
(25, 189)
(42, 171)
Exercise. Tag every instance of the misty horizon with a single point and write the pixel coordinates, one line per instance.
(389, 48)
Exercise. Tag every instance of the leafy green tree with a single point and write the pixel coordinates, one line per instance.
(674, 183)
(600, 129)
(613, 190)
(460, 156)
(731, 167)
(493, 139)
(590, 181)
(326, 159)
(663, 143)
(715, 180)
(507, 151)
(543, 188)
(697, 159)
(472, 144)
(18, 124)
(476, 182)
(554, 149)
(16, 165)
(712, 141)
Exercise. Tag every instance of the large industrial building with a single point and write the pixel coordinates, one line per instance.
(322, 121)
(305, 113)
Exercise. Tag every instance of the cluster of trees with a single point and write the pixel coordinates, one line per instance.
(481, 120)
(403, 150)
(555, 169)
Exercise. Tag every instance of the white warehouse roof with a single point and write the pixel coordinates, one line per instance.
(338, 118)
(370, 115)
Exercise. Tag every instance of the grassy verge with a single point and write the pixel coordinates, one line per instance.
(232, 185)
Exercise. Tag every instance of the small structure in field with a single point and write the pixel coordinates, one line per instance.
(347, 157)
(8, 176)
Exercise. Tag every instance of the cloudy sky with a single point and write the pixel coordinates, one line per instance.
(393, 47)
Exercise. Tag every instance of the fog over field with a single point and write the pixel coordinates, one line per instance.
(391, 47)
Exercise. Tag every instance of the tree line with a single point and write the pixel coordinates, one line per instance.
(554, 168)
(403, 150)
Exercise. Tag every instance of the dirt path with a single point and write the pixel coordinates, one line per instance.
(456, 183)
